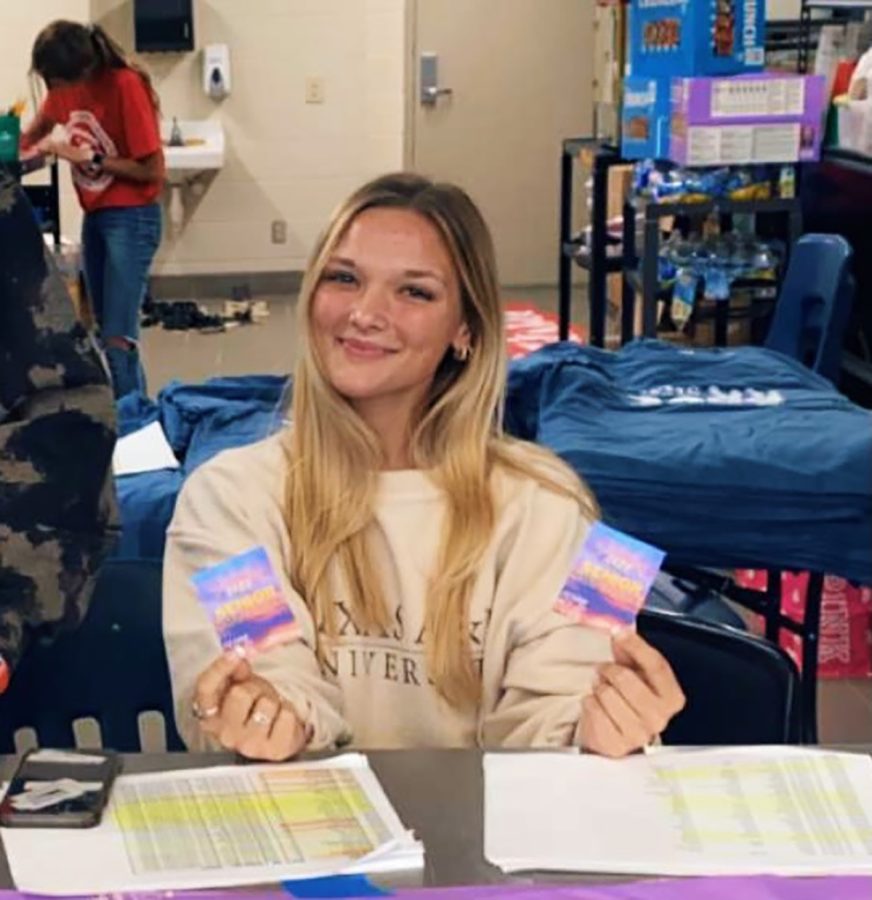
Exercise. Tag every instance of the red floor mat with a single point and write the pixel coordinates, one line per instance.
(528, 328)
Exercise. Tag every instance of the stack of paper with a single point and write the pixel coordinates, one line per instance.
(682, 812)
(146, 450)
(229, 825)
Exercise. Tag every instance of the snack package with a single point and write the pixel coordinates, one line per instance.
(683, 298)
(696, 37)
(771, 117)
(645, 118)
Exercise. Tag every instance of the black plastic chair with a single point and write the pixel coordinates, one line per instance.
(112, 669)
(740, 688)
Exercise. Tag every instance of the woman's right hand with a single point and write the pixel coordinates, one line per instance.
(74, 153)
(633, 701)
(245, 713)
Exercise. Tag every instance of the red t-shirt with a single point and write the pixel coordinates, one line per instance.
(112, 113)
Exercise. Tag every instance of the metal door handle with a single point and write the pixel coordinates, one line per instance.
(432, 94)
(429, 71)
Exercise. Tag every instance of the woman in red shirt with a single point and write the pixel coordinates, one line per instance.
(109, 113)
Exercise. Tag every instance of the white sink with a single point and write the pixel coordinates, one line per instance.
(203, 150)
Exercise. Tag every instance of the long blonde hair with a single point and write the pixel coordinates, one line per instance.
(334, 458)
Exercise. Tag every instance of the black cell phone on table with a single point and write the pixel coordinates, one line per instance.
(59, 789)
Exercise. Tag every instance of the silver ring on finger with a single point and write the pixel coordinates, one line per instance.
(201, 714)
(259, 717)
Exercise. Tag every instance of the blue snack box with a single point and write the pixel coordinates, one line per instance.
(645, 118)
(696, 37)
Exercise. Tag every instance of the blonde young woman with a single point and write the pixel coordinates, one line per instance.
(420, 549)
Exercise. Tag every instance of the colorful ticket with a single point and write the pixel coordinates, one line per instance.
(610, 578)
(245, 602)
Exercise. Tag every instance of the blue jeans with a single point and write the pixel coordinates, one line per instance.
(119, 244)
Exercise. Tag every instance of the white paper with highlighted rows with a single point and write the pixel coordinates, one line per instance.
(729, 811)
(223, 826)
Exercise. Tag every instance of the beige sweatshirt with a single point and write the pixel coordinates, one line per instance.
(536, 664)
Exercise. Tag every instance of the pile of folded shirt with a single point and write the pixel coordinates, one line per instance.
(735, 457)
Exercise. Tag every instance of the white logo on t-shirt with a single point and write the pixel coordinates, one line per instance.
(693, 395)
(83, 130)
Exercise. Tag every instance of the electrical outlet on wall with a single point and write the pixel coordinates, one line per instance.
(315, 92)
(279, 231)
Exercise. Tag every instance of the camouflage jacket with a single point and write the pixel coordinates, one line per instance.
(58, 516)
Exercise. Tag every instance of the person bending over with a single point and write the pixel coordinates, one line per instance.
(109, 117)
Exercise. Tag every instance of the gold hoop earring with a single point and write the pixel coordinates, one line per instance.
(461, 354)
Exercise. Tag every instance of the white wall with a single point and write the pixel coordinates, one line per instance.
(285, 159)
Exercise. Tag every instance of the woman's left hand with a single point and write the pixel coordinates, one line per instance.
(633, 699)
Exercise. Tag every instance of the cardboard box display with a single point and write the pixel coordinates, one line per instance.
(696, 37)
(645, 118)
(766, 118)
(620, 184)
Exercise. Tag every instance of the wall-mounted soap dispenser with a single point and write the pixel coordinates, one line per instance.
(216, 70)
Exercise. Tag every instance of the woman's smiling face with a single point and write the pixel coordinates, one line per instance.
(387, 309)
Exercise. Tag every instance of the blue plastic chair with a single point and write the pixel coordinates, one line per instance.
(815, 304)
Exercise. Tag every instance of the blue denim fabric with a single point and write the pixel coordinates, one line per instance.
(119, 244)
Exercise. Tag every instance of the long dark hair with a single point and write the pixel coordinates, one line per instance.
(71, 51)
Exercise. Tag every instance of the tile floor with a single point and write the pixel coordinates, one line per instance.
(191, 356)
(269, 348)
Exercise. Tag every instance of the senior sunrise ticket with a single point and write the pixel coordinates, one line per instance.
(245, 602)
(610, 578)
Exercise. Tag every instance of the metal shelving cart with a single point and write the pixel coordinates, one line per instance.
(844, 10)
(594, 258)
(641, 268)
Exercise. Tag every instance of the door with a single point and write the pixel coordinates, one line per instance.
(520, 74)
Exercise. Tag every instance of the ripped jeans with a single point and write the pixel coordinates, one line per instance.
(119, 244)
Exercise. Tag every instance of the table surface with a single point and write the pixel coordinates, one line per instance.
(437, 793)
